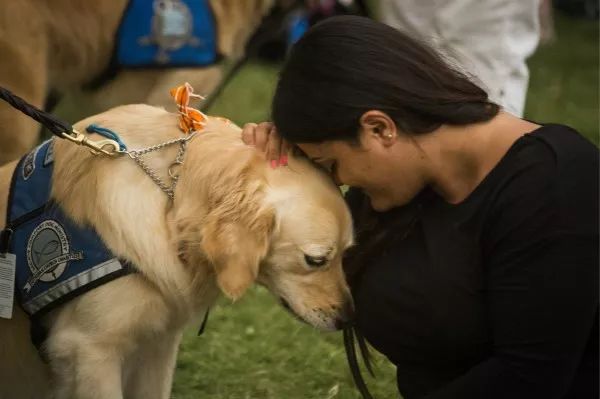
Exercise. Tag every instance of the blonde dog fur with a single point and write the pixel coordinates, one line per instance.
(234, 221)
(63, 44)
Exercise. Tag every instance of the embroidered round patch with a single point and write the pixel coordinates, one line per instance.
(48, 253)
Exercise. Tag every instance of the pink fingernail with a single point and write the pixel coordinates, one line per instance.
(284, 160)
(273, 163)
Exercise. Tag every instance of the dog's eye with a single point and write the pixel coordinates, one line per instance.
(315, 261)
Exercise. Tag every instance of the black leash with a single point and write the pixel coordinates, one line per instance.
(59, 128)
(52, 123)
(350, 348)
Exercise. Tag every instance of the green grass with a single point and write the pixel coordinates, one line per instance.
(564, 78)
(254, 349)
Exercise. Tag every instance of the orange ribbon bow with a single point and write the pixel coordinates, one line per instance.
(190, 119)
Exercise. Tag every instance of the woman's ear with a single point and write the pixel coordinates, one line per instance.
(236, 233)
(379, 126)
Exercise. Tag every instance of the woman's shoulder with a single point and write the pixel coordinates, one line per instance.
(551, 155)
(565, 143)
(549, 179)
(555, 155)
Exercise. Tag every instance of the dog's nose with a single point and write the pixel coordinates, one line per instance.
(345, 316)
(341, 324)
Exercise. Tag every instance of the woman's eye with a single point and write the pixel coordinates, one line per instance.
(315, 261)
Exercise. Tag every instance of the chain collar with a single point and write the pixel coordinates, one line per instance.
(173, 170)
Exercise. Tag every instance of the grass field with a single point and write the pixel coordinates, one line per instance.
(253, 349)
(564, 78)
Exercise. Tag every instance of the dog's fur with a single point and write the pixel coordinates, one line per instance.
(234, 221)
(62, 45)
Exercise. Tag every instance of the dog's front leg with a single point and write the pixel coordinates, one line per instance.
(151, 368)
(92, 373)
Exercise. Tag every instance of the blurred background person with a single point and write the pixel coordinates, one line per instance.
(492, 39)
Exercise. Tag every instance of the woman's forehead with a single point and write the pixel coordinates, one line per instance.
(323, 150)
(313, 150)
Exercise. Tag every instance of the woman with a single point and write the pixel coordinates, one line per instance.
(476, 266)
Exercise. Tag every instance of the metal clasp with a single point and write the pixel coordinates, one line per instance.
(96, 147)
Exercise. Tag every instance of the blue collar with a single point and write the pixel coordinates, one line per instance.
(56, 259)
(167, 33)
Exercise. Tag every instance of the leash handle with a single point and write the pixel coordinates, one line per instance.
(55, 125)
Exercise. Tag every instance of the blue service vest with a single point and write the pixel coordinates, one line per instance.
(56, 259)
(167, 33)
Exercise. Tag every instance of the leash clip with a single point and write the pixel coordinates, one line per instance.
(95, 147)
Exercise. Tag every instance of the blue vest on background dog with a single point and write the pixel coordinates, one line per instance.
(56, 259)
(167, 33)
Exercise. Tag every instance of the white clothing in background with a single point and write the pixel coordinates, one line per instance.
(490, 39)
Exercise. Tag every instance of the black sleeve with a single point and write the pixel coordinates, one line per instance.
(541, 260)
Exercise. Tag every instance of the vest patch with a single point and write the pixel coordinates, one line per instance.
(167, 33)
(48, 253)
(56, 258)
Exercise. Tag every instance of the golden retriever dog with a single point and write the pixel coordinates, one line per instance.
(233, 221)
(62, 45)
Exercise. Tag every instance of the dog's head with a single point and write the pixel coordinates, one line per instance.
(233, 219)
(284, 228)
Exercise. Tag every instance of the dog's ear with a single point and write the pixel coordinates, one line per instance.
(236, 233)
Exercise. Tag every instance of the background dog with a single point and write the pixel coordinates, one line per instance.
(62, 45)
(233, 221)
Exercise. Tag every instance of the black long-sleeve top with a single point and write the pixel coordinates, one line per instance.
(496, 297)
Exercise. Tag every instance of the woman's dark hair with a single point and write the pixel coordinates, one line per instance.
(347, 65)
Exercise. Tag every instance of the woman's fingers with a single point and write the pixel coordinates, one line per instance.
(285, 149)
(274, 147)
(248, 133)
(265, 138)
(257, 134)
(262, 135)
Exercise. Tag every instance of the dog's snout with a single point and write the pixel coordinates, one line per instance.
(348, 310)
(345, 315)
(341, 324)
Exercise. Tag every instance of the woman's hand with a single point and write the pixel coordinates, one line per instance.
(265, 138)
